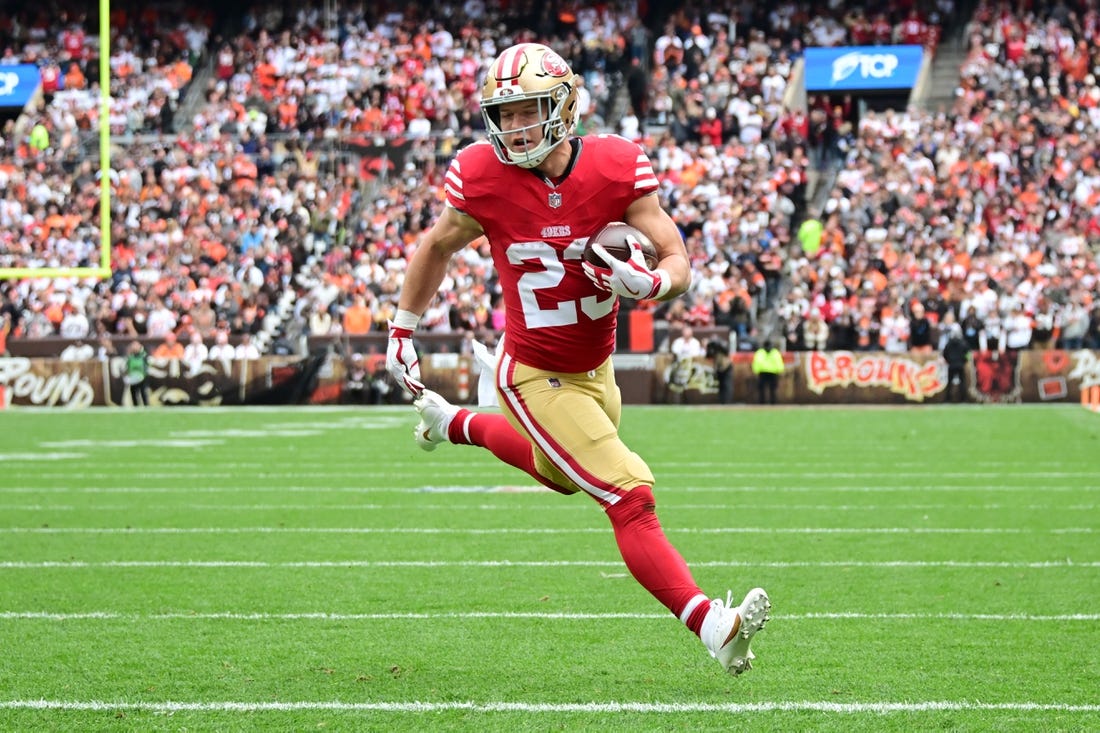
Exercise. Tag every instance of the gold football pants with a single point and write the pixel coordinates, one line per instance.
(572, 420)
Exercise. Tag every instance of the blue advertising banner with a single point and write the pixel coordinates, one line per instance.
(17, 83)
(862, 68)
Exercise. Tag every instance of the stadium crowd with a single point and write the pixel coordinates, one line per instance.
(984, 215)
(288, 199)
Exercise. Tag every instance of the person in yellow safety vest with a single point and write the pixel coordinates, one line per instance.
(39, 137)
(809, 236)
(767, 365)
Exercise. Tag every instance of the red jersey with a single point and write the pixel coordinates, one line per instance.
(913, 30)
(861, 32)
(51, 78)
(556, 318)
(72, 41)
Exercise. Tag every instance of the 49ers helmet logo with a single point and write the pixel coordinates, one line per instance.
(554, 65)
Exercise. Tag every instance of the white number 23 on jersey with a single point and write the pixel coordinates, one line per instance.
(565, 312)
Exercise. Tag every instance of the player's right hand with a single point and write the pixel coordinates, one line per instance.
(402, 362)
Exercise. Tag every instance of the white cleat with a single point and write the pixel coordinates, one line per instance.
(436, 414)
(727, 631)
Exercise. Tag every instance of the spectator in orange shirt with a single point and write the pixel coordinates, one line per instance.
(5, 329)
(74, 77)
(357, 318)
(288, 113)
(55, 313)
(170, 348)
(180, 73)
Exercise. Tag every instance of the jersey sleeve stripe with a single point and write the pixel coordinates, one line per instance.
(453, 186)
(644, 178)
(453, 181)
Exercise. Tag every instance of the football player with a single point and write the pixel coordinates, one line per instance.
(537, 192)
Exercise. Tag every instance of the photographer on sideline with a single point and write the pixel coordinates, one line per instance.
(719, 354)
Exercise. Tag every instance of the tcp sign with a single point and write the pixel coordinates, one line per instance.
(868, 68)
(17, 83)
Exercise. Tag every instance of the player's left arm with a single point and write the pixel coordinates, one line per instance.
(646, 214)
(452, 231)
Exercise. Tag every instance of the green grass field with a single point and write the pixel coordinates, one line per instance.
(304, 569)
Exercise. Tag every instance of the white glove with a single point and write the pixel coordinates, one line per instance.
(401, 360)
(630, 278)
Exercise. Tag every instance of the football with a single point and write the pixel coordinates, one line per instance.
(613, 238)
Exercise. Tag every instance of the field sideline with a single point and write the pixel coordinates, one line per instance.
(930, 567)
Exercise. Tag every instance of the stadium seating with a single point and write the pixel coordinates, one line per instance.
(313, 145)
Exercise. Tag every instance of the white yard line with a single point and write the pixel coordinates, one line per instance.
(812, 469)
(554, 708)
(193, 485)
(565, 506)
(887, 564)
(542, 530)
(544, 616)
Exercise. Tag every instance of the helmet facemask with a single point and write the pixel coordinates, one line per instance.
(554, 130)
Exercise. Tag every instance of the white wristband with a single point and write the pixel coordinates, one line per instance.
(665, 286)
(406, 320)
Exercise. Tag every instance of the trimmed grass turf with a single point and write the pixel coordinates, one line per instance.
(930, 567)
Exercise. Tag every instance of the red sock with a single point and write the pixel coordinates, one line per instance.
(495, 433)
(648, 554)
(695, 618)
(652, 559)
